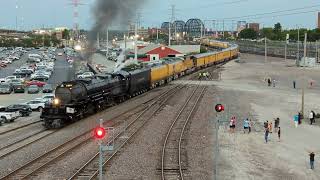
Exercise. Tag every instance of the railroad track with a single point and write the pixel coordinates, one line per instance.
(20, 127)
(173, 157)
(24, 142)
(34, 166)
(89, 169)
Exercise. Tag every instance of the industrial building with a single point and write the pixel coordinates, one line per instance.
(254, 26)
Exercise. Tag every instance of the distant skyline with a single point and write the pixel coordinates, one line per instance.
(33, 14)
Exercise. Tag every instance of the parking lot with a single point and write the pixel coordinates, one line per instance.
(62, 71)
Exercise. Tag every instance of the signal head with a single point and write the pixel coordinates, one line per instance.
(219, 108)
(99, 133)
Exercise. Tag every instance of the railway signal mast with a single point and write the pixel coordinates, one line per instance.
(100, 133)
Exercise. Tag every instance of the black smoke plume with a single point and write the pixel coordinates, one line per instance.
(107, 12)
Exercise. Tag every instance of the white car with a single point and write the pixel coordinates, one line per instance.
(60, 54)
(48, 98)
(40, 74)
(36, 105)
(86, 75)
(7, 61)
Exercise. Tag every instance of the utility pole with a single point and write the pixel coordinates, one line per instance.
(317, 55)
(265, 50)
(136, 41)
(17, 7)
(98, 40)
(157, 34)
(170, 22)
(303, 81)
(298, 44)
(108, 41)
(223, 28)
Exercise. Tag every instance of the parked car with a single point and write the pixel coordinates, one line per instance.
(86, 75)
(2, 64)
(24, 109)
(6, 116)
(18, 88)
(47, 88)
(40, 77)
(48, 97)
(60, 54)
(33, 89)
(37, 105)
(5, 88)
(37, 83)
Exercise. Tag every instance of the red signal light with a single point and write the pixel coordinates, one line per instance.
(219, 108)
(99, 132)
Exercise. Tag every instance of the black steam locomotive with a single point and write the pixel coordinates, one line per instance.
(83, 97)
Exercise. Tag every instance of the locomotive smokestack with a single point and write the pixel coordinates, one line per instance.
(107, 11)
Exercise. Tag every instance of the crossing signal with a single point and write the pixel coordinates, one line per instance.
(219, 108)
(99, 132)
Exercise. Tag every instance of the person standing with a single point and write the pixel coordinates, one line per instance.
(266, 134)
(296, 119)
(276, 124)
(274, 83)
(269, 82)
(294, 84)
(314, 116)
(270, 129)
(299, 117)
(311, 117)
(250, 125)
(311, 155)
(279, 133)
(232, 124)
(245, 125)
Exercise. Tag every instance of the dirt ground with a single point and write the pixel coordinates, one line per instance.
(243, 89)
(245, 94)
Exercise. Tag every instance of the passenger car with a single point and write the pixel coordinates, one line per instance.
(33, 89)
(47, 88)
(36, 105)
(18, 88)
(37, 83)
(5, 89)
(86, 75)
(24, 109)
(8, 116)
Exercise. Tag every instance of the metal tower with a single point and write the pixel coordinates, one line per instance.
(76, 32)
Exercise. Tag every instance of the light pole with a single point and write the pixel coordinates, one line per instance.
(265, 49)
(304, 64)
(298, 44)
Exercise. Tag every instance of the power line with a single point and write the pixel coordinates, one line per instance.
(273, 12)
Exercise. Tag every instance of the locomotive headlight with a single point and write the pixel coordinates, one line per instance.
(56, 101)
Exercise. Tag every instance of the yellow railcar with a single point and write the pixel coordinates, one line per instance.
(159, 74)
(179, 67)
(219, 56)
(212, 58)
(226, 54)
(200, 62)
(189, 63)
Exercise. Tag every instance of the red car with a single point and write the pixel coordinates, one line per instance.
(38, 83)
(3, 64)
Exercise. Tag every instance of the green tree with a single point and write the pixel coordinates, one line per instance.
(248, 34)
(66, 34)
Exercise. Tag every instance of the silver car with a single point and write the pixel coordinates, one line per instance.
(33, 89)
(5, 89)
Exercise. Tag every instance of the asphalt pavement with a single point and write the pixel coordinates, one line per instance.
(63, 71)
(9, 70)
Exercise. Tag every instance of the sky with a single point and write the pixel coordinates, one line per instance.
(31, 14)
